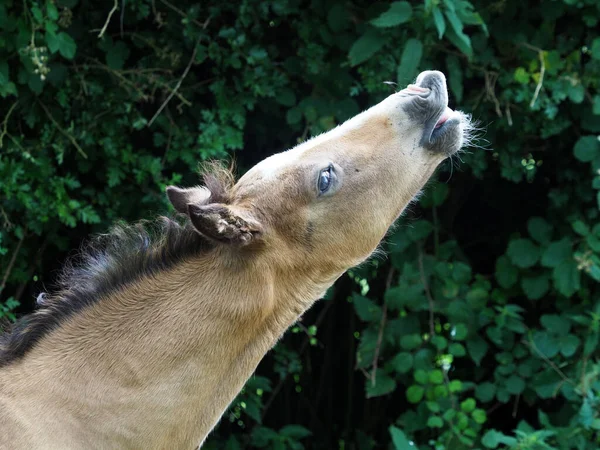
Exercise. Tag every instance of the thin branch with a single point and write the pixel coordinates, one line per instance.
(508, 115)
(516, 406)
(112, 11)
(122, 16)
(7, 223)
(63, 131)
(11, 263)
(185, 72)
(5, 122)
(126, 84)
(554, 367)
(382, 323)
(540, 53)
(182, 14)
(540, 81)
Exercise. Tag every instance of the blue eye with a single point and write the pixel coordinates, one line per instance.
(325, 179)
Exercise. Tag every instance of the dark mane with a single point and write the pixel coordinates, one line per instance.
(109, 262)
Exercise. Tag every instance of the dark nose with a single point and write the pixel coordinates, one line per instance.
(431, 78)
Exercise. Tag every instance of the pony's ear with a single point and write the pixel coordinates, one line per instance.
(180, 198)
(223, 223)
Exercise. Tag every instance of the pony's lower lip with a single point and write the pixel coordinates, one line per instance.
(443, 118)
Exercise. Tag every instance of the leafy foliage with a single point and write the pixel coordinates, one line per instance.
(482, 327)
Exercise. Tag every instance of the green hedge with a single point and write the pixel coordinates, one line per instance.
(480, 329)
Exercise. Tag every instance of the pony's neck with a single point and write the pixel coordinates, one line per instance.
(157, 363)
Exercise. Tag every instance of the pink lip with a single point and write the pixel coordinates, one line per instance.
(417, 89)
(445, 116)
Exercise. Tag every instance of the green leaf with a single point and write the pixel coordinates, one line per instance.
(455, 33)
(459, 332)
(477, 348)
(263, 436)
(596, 105)
(567, 278)
(365, 47)
(455, 386)
(515, 384)
(595, 49)
(398, 13)
(535, 287)
(492, 439)
(569, 345)
(479, 416)
(419, 230)
(37, 13)
(523, 252)
(521, 75)
(414, 393)
(435, 422)
(593, 242)
(556, 324)
(412, 297)
(232, 444)
(440, 391)
(586, 413)
(436, 377)
(433, 406)
(402, 362)
(539, 229)
(384, 384)
(456, 349)
(286, 97)
(295, 431)
(546, 383)
(63, 43)
(557, 252)
(52, 11)
(587, 148)
(4, 76)
(400, 441)
(485, 392)
(365, 308)
(468, 405)
(8, 89)
(576, 92)
(293, 116)
(461, 273)
(117, 55)
(546, 344)
(366, 348)
(580, 228)
(438, 20)
(591, 343)
(410, 341)
(506, 273)
(440, 342)
(421, 376)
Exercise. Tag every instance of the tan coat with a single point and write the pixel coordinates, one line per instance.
(152, 360)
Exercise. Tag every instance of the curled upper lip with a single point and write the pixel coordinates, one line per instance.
(428, 108)
(431, 85)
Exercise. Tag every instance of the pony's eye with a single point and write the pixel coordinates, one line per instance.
(325, 179)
